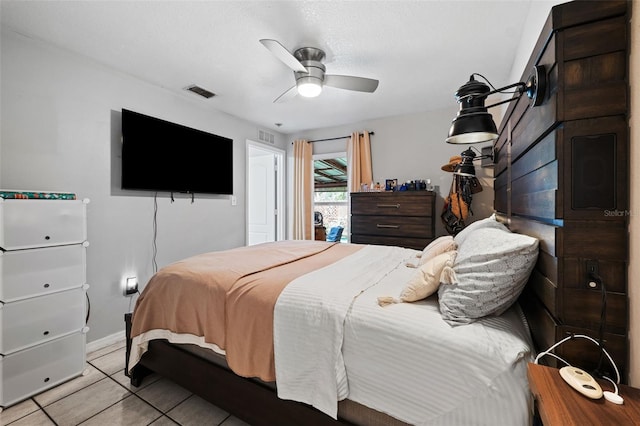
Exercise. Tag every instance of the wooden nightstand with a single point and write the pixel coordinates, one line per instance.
(560, 405)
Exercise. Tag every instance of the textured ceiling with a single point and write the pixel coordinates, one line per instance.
(421, 51)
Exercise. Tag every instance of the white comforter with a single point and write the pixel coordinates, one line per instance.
(333, 341)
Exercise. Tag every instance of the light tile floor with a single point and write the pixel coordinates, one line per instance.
(104, 396)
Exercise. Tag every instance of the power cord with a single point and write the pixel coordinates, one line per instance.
(155, 232)
(594, 277)
(492, 86)
(580, 336)
(131, 299)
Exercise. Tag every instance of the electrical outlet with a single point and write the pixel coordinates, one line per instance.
(131, 286)
(592, 267)
(592, 273)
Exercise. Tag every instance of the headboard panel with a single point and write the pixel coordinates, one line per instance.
(562, 176)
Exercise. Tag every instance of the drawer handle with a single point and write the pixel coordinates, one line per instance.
(47, 285)
(46, 379)
(389, 206)
(388, 226)
(46, 333)
(46, 237)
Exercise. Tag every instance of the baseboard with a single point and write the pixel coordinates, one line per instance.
(105, 341)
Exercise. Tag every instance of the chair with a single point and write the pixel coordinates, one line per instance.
(335, 233)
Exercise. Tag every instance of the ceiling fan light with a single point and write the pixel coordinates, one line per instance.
(309, 87)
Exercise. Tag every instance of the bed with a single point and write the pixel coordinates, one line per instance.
(433, 381)
(237, 323)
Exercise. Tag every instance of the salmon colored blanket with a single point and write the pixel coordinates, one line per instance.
(227, 298)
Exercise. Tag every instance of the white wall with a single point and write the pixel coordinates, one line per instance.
(410, 147)
(537, 16)
(61, 132)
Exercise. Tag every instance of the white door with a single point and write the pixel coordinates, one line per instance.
(263, 194)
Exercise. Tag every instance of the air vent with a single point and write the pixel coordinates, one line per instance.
(267, 137)
(200, 91)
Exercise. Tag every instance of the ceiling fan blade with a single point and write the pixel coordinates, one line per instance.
(280, 52)
(289, 94)
(350, 82)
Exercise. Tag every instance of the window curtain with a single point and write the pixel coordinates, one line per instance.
(359, 161)
(302, 190)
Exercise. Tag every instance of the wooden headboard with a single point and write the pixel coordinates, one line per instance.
(562, 176)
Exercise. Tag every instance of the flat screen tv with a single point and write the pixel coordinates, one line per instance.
(158, 155)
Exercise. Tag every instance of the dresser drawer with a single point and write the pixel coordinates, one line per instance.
(41, 223)
(408, 226)
(34, 272)
(413, 203)
(39, 319)
(33, 370)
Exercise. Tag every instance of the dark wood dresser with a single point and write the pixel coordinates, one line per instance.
(404, 218)
(562, 175)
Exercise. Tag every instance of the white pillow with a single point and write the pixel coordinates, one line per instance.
(489, 222)
(436, 247)
(491, 270)
(424, 282)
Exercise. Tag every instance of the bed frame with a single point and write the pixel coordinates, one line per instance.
(247, 399)
(584, 48)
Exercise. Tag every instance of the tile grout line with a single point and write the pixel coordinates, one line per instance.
(225, 419)
(169, 409)
(131, 393)
(112, 379)
(104, 354)
(43, 407)
(161, 416)
(162, 413)
(117, 402)
(44, 411)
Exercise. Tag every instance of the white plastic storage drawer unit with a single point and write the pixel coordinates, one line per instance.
(41, 223)
(40, 367)
(34, 272)
(43, 293)
(38, 319)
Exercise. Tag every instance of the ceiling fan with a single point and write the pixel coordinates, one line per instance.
(308, 69)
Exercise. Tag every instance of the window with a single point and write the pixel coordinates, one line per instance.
(330, 198)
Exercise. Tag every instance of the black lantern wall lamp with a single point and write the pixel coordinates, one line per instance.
(466, 167)
(473, 124)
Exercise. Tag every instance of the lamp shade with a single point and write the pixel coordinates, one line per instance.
(474, 127)
(465, 170)
(309, 87)
(473, 124)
